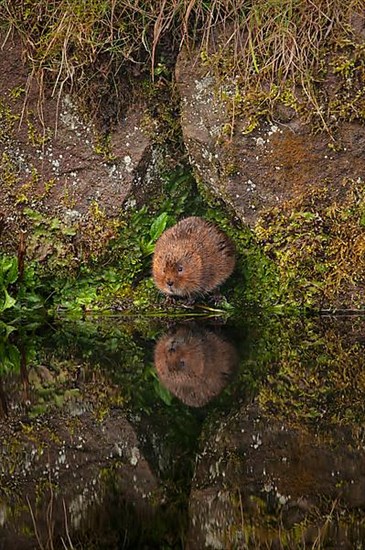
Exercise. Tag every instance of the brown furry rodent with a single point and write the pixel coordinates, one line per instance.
(195, 364)
(192, 257)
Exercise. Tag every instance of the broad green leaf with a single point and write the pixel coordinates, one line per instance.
(158, 226)
(11, 274)
(8, 301)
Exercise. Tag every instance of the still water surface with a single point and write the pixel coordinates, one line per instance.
(122, 433)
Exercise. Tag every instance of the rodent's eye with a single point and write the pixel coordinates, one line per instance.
(180, 268)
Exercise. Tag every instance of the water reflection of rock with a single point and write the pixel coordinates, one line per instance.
(194, 363)
(71, 485)
(257, 478)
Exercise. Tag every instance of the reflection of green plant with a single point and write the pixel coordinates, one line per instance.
(9, 357)
(161, 391)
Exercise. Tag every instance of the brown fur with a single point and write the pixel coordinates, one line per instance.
(194, 256)
(195, 365)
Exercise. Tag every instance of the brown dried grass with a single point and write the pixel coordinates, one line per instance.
(71, 42)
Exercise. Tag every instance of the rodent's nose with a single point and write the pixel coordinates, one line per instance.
(169, 283)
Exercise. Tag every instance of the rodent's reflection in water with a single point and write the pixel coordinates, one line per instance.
(194, 363)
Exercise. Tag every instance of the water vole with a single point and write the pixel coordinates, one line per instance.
(192, 257)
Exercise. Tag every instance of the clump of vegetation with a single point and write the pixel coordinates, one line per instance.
(318, 244)
(270, 47)
(347, 63)
(8, 276)
(96, 262)
(285, 58)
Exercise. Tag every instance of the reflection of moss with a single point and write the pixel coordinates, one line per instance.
(260, 528)
(318, 377)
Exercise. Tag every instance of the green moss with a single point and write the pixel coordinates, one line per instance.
(317, 243)
(102, 146)
(348, 102)
(255, 281)
(20, 189)
(7, 122)
(36, 138)
(256, 103)
(8, 171)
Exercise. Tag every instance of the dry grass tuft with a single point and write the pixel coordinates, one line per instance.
(73, 43)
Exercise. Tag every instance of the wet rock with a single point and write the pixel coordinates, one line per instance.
(354, 493)
(274, 163)
(40, 376)
(52, 150)
(209, 512)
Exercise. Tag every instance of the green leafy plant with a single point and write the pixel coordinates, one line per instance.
(156, 230)
(8, 276)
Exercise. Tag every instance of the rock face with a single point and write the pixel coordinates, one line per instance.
(272, 164)
(56, 162)
(53, 157)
